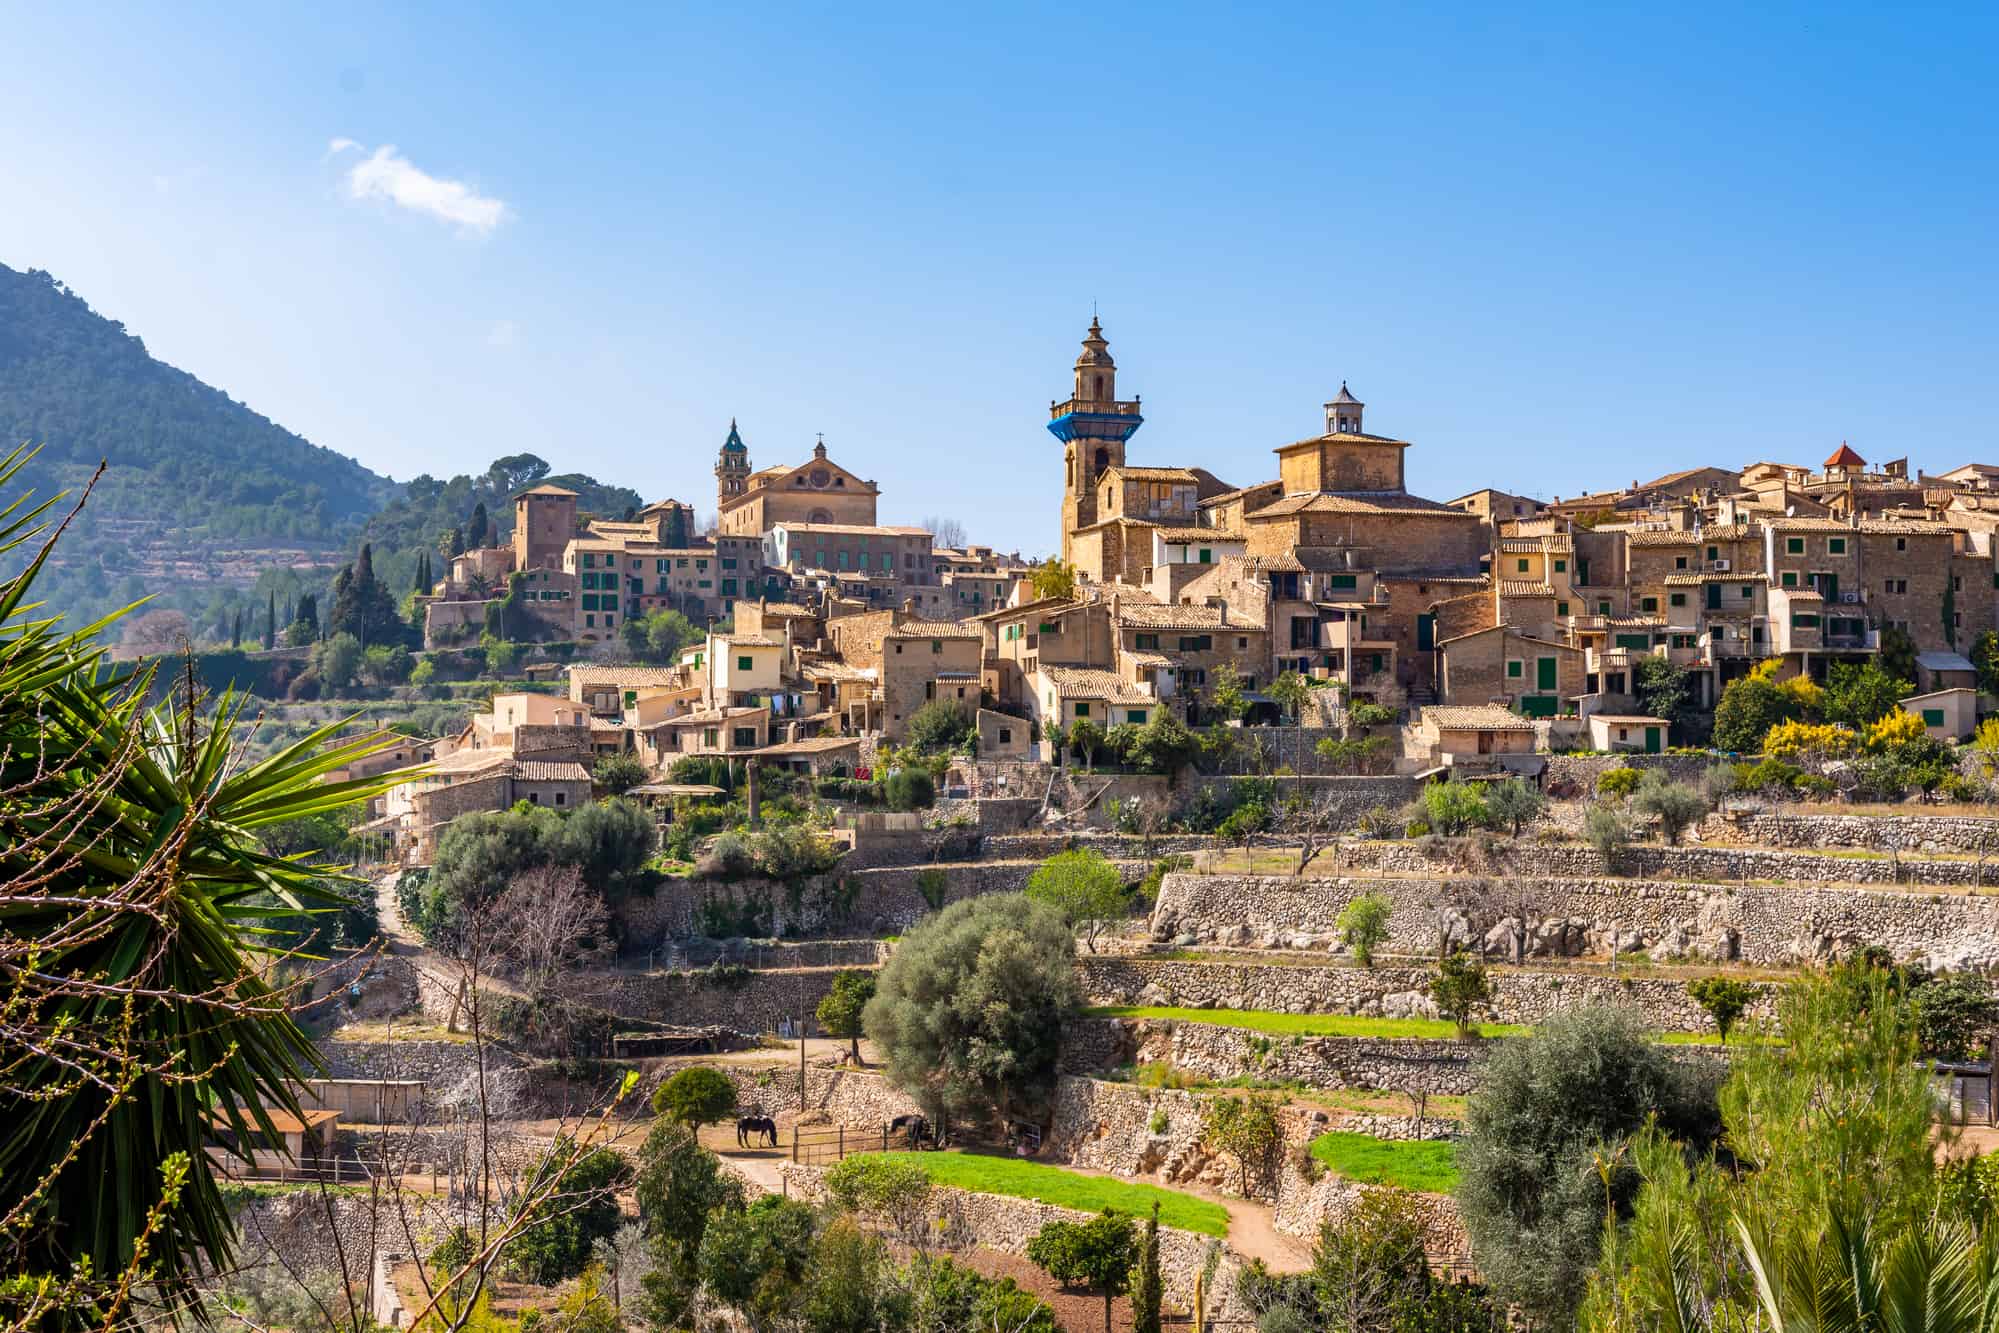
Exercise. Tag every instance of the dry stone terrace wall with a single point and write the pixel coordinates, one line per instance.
(1597, 915)
(1437, 1066)
(1108, 1127)
(695, 999)
(1575, 861)
(1303, 1206)
(1098, 1045)
(861, 1101)
(1571, 774)
(435, 1063)
(1525, 995)
(1911, 835)
(998, 1222)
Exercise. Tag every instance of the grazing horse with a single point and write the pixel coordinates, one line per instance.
(756, 1124)
(914, 1128)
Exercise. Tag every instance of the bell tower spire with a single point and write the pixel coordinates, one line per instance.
(1093, 426)
(732, 469)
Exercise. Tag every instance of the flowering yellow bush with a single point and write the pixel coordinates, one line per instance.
(1816, 740)
(1893, 729)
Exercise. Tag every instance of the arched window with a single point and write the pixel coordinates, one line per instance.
(1098, 391)
(1103, 460)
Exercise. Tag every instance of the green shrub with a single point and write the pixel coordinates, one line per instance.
(1618, 783)
(1454, 808)
(909, 789)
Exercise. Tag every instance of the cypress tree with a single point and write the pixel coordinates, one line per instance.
(1146, 1287)
(271, 622)
(475, 533)
(236, 629)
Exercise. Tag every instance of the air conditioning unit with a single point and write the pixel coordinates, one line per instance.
(1850, 597)
(1720, 565)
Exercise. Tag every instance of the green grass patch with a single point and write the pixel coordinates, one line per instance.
(1430, 1167)
(1308, 1025)
(1065, 1189)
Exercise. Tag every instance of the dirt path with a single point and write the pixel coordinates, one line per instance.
(1253, 1232)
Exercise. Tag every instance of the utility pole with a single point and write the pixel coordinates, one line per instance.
(801, 1066)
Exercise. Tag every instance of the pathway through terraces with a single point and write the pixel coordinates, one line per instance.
(1252, 1234)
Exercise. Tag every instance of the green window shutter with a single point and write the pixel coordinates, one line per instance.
(1544, 673)
(1523, 566)
(1836, 546)
(1514, 670)
(1344, 582)
(1561, 566)
(1933, 717)
(1649, 604)
(1678, 599)
(1134, 715)
(1794, 546)
(1207, 556)
(1561, 608)
(745, 664)
(1790, 578)
(1082, 708)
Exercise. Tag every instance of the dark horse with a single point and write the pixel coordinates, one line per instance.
(756, 1124)
(914, 1128)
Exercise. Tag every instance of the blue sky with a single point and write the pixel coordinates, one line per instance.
(1554, 247)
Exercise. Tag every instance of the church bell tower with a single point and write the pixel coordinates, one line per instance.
(1093, 426)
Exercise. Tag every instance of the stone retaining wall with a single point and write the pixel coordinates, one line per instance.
(1578, 861)
(1912, 834)
(1576, 774)
(1595, 915)
(858, 1100)
(1005, 1224)
(447, 1069)
(1525, 995)
(1436, 1066)
(1210, 1051)
(697, 999)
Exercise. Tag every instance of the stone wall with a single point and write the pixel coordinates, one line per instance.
(1436, 1066)
(1520, 995)
(1597, 916)
(860, 1101)
(1912, 834)
(1097, 1045)
(431, 1062)
(294, 1223)
(1576, 774)
(1005, 1224)
(1575, 860)
(696, 999)
(1304, 1205)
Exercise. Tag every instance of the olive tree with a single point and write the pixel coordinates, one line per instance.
(1541, 1156)
(970, 1008)
(1084, 887)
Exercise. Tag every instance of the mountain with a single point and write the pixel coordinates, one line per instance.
(207, 506)
(201, 497)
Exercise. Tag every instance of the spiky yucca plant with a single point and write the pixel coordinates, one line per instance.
(137, 1004)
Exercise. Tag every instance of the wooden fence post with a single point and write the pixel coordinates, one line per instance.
(794, 1143)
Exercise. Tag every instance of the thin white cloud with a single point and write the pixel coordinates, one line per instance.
(339, 146)
(502, 334)
(387, 175)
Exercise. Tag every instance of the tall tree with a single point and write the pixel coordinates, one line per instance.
(271, 621)
(236, 629)
(478, 529)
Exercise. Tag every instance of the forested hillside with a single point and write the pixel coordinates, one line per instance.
(182, 454)
(207, 506)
